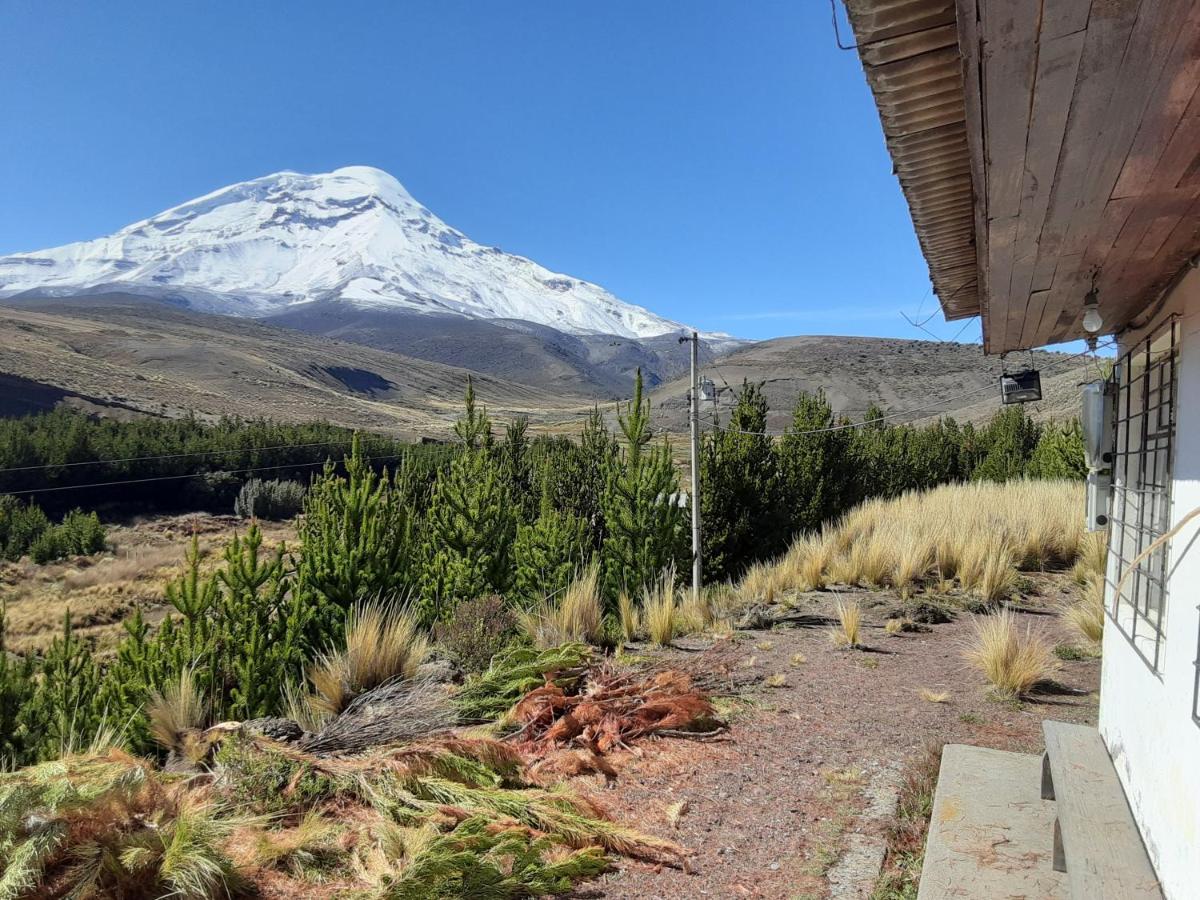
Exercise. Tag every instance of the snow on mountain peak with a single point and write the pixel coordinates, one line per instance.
(354, 234)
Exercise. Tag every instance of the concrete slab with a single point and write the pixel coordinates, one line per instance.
(992, 835)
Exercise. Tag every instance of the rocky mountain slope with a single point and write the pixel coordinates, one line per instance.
(354, 235)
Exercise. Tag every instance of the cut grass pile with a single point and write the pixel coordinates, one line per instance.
(445, 817)
(977, 534)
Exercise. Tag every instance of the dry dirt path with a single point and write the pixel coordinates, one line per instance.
(771, 808)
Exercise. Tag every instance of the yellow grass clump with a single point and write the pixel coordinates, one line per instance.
(659, 609)
(1086, 615)
(848, 630)
(629, 615)
(1012, 659)
(577, 616)
(977, 533)
(175, 710)
(384, 640)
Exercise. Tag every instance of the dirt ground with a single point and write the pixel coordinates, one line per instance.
(768, 808)
(102, 591)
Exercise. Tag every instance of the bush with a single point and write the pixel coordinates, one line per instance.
(475, 631)
(80, 534)
(1014, 661)
(20, 525)
(269, 499)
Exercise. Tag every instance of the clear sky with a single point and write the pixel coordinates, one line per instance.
(718, 162)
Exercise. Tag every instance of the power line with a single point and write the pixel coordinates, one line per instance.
(101, 462)
(77, 487)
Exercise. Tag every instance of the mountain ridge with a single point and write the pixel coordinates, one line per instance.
(356, 235)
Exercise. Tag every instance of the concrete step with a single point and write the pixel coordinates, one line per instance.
(1096, 841)
(991, 833)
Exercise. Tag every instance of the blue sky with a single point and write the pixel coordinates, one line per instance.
(720, 163)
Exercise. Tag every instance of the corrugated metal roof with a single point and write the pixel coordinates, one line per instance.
(909, 50)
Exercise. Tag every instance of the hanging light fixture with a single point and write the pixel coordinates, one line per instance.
(1092, 320)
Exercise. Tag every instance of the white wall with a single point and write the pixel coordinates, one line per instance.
(1146, 717)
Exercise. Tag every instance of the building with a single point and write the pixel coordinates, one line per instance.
(1050, 156)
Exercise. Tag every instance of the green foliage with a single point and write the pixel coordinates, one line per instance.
(472, 521)
(20, 525)
(66, 710)
(269, 499)
(478, 860)
(356, 535)
(79, 534)
(19, 735)
(246, 629)
(261, 781)
(814, 470)
(643, 521)
(547, 554)
(1059, 453)
(1008, 442)
(475, 631)
(516, 672)
(739, 483)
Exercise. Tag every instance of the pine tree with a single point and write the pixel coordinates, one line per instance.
(1059, 453)
(356, 535)
(743, 518)
(472, 522)
(517, 466)
(1009, 440)
(641, 514)
(547, 553)
(814, 468)
(19, 736)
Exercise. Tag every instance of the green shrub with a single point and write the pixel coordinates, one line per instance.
(546, 555)
(20, 525)
(269, 499)
(472, 521)
(475, 631)
(644, 523)
(80, 534)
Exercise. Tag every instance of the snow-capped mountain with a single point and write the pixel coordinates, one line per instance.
(260, 247)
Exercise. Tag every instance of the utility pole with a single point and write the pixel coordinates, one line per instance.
(694, 417)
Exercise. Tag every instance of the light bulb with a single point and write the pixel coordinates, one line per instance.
(1092, 320)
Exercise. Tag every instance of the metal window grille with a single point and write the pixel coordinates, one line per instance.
(1141, 507)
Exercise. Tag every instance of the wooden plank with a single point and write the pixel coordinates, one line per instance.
(1054, 87)
(1175, 93)
(1102, 848)
(1010, 61)
(1099, 64)
(990, 834)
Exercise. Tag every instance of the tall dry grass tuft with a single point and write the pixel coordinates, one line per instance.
(577, 616)
(629, 616)
(175, 710)
(659, 609)
(1092, 562)
(978, 533)
(1086, 615)
(384, 640)
(1012, 659)
(848, 631)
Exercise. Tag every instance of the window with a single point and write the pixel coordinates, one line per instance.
(1141, 507)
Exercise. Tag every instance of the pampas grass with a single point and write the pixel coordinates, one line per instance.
(577, 616)
(629, 616)
(1086, 615)
(659, 609)
(848, 630)
(1012, 659)
(175, 710)
(978, 533)
(383, 641)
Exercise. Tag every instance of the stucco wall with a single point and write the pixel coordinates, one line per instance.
(1146, 717)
